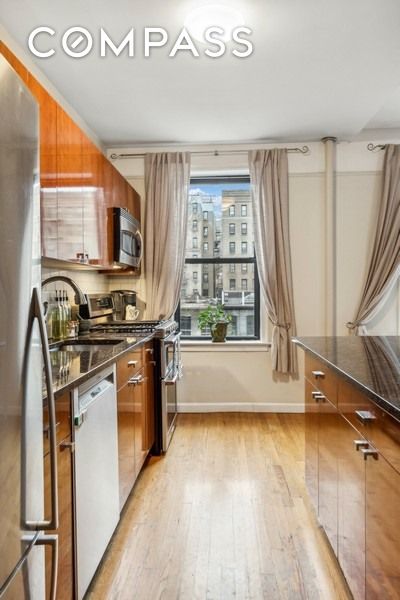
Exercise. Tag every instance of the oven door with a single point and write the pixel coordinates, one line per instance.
(170, 354)
(169, 407)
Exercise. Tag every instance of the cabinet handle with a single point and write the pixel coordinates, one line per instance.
(150, 351)
(136, 380)
(318, 374)
(365, 416)
(360, 444)
(370, 452)
(132, 363)
(65, 445)
(318, 397)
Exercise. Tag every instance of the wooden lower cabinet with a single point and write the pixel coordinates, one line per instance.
(65, 532)
(135, 400)
(351, 506)
(356, 493)
(328, 471)
(382, 530)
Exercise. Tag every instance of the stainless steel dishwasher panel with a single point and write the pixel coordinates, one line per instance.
(96, 472)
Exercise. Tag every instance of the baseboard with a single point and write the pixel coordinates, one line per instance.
(206, 407)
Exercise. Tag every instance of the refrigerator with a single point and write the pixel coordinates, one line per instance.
(25, 529)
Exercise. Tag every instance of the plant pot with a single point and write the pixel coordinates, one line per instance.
(218, 331)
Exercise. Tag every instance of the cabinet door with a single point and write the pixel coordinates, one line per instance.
(48, 168)
(108, 232)
(69, 188)
(140, 420)
(65, 586)
(149, 393)
(311, 443)
(351, 507)
(93, 201)
(328, 471)
(126, 442)
(382, 530)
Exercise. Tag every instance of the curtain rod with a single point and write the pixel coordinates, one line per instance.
(372, 147)
(302, 150)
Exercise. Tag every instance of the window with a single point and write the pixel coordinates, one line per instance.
(195, 275)
(186, 325)
(194, 208)
(194, 225)
(195, 242)
(243, 210)
(226, 272)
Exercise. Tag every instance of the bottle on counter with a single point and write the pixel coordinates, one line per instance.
(56, 319)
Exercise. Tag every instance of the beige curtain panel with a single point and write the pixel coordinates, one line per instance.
(167, 178)
(384, 268)
(269, 182)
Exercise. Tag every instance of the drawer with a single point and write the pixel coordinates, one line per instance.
(322, 377)
(129, 365)
(376, 425)
(63, 420)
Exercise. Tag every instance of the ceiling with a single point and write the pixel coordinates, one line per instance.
(319, 67)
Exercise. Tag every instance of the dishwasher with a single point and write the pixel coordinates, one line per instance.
(96, 472)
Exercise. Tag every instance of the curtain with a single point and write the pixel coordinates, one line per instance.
(384, 268)
(167, 178)
(269, 183)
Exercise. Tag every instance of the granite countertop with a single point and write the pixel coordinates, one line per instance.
(370, 363)
(70, 368)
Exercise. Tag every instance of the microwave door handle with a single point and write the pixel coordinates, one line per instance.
(141, 247)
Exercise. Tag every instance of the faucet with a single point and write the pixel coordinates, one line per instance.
(79, 295)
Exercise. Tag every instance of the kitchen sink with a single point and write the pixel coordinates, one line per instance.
(84, 345)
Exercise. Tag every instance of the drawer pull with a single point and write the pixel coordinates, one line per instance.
(132, 363)
(136, 380)
(365, 416)
(318, 397)
(360, 444)
(318, 374)
(370, 452)
(150, 351)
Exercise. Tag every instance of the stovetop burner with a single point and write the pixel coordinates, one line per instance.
(160, 328)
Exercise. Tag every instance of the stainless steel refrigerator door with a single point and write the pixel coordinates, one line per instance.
(20, 500)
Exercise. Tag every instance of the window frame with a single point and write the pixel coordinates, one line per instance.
(226, 261)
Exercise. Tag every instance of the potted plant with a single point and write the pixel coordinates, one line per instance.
(217, 320)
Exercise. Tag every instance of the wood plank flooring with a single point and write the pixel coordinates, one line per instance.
(223, 515)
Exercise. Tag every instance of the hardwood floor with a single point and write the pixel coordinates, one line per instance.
(223, 515)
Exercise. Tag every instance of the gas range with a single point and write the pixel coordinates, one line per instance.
(160, 329)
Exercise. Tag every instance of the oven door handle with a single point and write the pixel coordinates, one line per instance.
(172, 338)
(173, 380)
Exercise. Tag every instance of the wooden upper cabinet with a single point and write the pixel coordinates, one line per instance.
(69, 188)
(94, 209)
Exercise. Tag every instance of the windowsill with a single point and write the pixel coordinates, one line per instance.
(230, 346)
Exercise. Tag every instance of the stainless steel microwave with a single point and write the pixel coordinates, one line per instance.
(128, 242)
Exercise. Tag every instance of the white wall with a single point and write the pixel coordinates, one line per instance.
(240, 377)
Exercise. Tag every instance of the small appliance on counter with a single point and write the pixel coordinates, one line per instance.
(125, 305)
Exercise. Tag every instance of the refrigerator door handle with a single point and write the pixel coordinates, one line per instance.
(52, 541)
(36, 313)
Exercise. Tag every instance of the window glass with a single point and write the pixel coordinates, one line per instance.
(223, 257)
